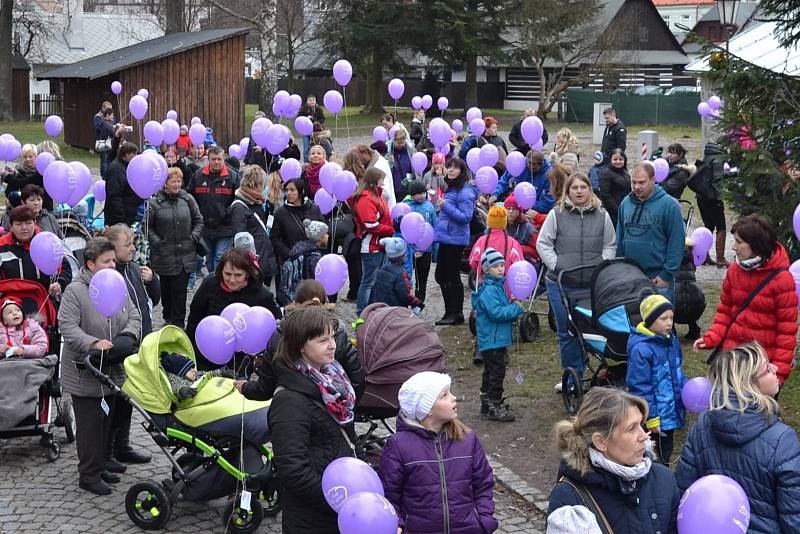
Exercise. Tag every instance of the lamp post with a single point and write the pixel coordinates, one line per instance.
(727, 17)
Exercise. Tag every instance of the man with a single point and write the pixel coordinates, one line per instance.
(122, 204)
(614, 136)
(418, 127)
(371, 158)
(196, 159)
(213, 187)
(536, 175)
(104, 129)
(516, 133)
(650, 230)
(315, 113)
(255, 154)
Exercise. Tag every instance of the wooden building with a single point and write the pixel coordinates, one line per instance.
(20, 80)
(196, 73)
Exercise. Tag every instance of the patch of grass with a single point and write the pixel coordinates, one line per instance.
(33, 132)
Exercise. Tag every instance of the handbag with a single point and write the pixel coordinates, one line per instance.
(102, 145)
(771, 276)
(590, 502)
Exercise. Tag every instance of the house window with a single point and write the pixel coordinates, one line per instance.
(492, 75)
(686, 17)
(666, 18)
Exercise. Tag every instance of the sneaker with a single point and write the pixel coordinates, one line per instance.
(558, 387)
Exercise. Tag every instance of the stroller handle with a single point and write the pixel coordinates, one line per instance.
(98, 374)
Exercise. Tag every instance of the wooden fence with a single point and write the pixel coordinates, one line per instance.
(46, 105)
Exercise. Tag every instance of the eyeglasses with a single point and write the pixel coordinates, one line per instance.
(771, 369)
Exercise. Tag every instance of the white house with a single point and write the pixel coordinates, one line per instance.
(684, 13)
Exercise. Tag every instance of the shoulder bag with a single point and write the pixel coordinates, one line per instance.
(590, 502)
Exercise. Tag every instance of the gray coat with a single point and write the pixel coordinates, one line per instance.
(81, 325)
(176, 226)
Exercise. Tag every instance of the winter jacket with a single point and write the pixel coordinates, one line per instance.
(288, 228)
(771, 317)
(436, 182)
(183, 143)
(29, 335)
(655, 374)
(494, 314)
(300, 265)
(646, 506)
(23, 176)
(214, 193)
(678, 176)
(544, 200)
(373, 220)
(452, 225)
(122, 204)
(706, 181)
(526, 235)
(145, 296)
(211, 299)
(16, 262)
(651, 232)
(614, 136)
(401, 168)
(417, 131)
(762, 454)
(305, 439)
(477, 142)
(428, 212)
(615, 185)
(176, 226)
(393, 287)
(251, 218)
(380, 163)
(438, 485)
(315, 114)
(185, 172)
(81, 325)
(515, 136)
(499, 240)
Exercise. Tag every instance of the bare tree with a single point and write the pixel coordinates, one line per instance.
(6, 18)
(30, 27)
(175, 12)
(297, 20)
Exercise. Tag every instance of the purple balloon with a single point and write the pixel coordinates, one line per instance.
(416, 102)
(696, 394)
(662, 169)
(276, 109)
(116, 87)
(172, 115)
(458, 126)
(714, 503)
(195, 120)
(253, 329)
(393, 130)
(259, 131)
(379, 133)
(489, 155)
(295, 101)
(427, 101)
(400, 209)
(367, 512)
(538, 145)
(342, 72)
(486, 180)
(412, 226)
(704, 109)
(714, 103)
(81, 183)
(13, 149)
(331, 272)
(474, 113)
(796, 221)
(325, 201)
(396, 88)
(703, 240)
(532, 129)
(230, 311)
(344, 185)
(3, 149)
(138, 107)
(281, 101)
(515, 163)
(525, 194)
(147, 173)
(47, 252)
(794, 268)
(474, 159)
(108, 292)
(304, 126)
(235, 151)
(418, 162)
(99, 190)
(197, 134)
(442, 103)
(439, 131)
(144, 93)
(53, 126)
(57, 180)
(172, 131)
(216, 339)
(327, 175)
(425, 242)
(521, 278)
(333, 101)
(278, 137)
(290, 169)
(153, 132)
(244, 144)
(344, 477)
(477, 127)
(43, 160)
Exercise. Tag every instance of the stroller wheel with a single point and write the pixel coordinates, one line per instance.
(68, 419)
(148, 505)
(529, 326)
(472, 280)
(571, 390)
(473, 324)
(270, 499)
(239, 520)
(551, 319)
(53, 451)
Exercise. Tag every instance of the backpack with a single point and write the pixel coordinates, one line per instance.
(295, 270)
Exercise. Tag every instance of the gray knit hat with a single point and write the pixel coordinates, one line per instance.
(490, 258)
(315, 229)
(395, 247)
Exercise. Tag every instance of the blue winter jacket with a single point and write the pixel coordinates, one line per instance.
(452, 225)
(761, 454)
(544, 200)
(427, 210)
(655, 374)
(494, 314)
(652, 233)
(393, 286)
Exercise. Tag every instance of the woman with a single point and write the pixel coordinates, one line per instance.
(316, 160)
(490, 134)
(389, 121)
(615, 183)
(566, 143)
(400, 153)
(236, 279)
(248, 215)
(345, 231)
(273, 193)
(23, 174)
(452, 233)
(311, 418)
(606, 459)
(679, 171)
(85, 330)
(373, 221)
(33, 197)
(322, 137)
(770, 316)
(287, 227)
(176, 227)
(308, 293)
(578, 231)
(741, 436)
(171, 157)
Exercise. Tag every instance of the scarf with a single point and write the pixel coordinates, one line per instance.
(337, 392)
(629, 474)
(250, 196)
(312, 176)
(750, 264)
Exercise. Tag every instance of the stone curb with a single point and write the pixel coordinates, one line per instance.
(519, 487)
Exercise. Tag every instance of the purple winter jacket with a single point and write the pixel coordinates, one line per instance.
(415, 467)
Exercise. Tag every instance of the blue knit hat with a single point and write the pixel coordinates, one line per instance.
(491, 258)
(395, 247)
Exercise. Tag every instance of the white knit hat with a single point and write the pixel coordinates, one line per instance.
(418, 394)
(568, 519)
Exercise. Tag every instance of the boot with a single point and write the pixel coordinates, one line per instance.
(721, 261)
(449, 315)
(98, 488)
(109, 478)
(709, 261)
(499, 412)
(694, 332)
(484, 405)
(477, 357)
(123, 451)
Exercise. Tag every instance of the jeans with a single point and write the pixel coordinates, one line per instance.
(306, 147)
(217, 246)
(568, 345)
(104, 163)
(494, 372)
(370, 263)
(668, 292)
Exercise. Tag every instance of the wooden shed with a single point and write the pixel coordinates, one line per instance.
(195, 73)
(20, 92)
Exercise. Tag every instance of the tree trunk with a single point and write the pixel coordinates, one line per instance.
(6, 7)
(373, 101)
(544, 97)
(471, 79)
(175, 16)
(290, 69)
(269, 56)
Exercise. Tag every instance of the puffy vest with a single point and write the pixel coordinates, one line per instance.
(579, 241)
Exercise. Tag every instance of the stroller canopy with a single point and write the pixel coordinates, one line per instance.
(618, 282)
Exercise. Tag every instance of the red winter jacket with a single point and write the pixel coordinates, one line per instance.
(770, 319)
(373, 219)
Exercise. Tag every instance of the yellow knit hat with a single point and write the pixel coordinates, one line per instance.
(497, 217)
(652, 307)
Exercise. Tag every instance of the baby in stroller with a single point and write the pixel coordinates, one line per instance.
(24, 336)
(184, 379)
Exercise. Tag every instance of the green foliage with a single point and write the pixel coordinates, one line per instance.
(786, 13)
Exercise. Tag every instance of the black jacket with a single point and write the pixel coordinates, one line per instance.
(267, 161)
(288, 229)
(16, 262)
(417, 133)
(122, 204)
(707, 178)
(305, 439)
(316, 114)
(615, 184)
(23, 176)
(176, 226)
(187, 174)
(251, 218)
(615, 136)
(516, 139)
(141, 292)
(676, 179)
(211, 299)
(214, 194)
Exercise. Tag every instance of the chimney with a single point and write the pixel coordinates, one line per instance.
(74, 30)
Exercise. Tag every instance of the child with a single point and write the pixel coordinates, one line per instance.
(408, 264)
(302, 260)
(434, 178)
(654, 371)
(183, 377)
(495, 316)
(521, 229)
(433, 458)
(594, 172)
(24, 337)
(392, 285)
(422, 258)
(497, 238)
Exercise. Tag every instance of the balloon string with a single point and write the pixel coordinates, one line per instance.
(346, 114)
(333, 224)
(395, 108)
